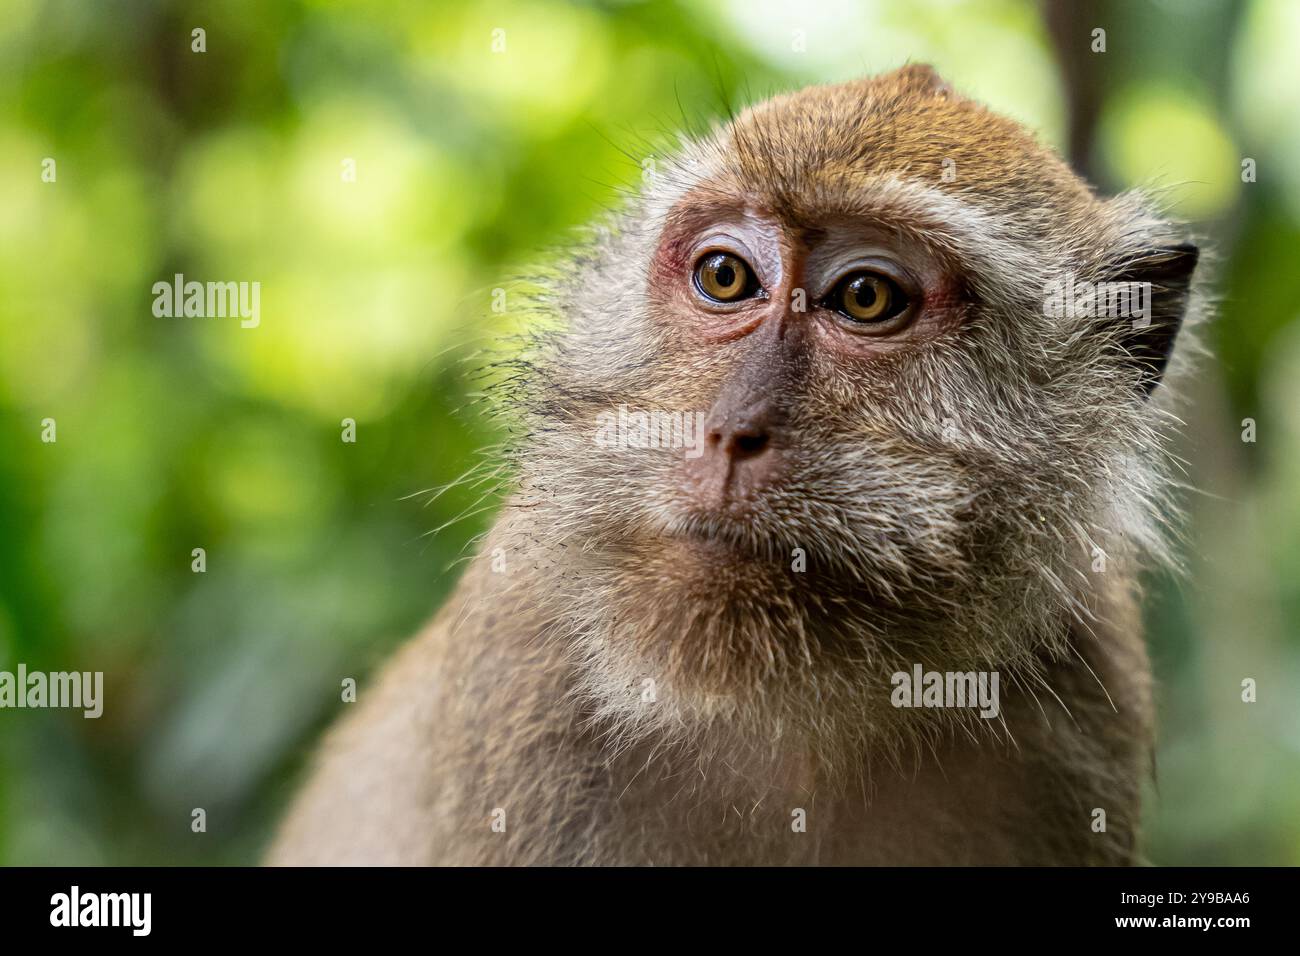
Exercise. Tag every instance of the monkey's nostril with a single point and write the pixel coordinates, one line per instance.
(747, 445)
(748, 438)
(743, 458)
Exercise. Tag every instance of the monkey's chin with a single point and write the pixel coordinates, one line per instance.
(692, 551)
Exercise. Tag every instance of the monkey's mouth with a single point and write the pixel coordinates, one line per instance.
(724, 537)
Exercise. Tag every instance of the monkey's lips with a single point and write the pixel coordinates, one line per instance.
(724, 536)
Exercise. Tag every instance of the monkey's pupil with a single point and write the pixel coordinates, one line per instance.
(725, 276)
(868, 299)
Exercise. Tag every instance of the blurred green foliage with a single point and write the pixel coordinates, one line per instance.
(471, 162)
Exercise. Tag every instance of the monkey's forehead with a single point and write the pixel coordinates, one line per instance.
(823, 146)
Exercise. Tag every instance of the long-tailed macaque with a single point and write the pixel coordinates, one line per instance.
(836, 481)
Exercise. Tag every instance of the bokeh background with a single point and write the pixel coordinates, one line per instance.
(472, 163)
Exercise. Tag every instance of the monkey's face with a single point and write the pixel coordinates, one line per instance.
(888, 450)
(804, 348)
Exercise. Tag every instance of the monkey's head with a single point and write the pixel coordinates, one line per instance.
(927, 363)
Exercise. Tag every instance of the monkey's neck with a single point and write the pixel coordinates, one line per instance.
(654, 659)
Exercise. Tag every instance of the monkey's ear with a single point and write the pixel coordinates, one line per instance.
(1167, 271)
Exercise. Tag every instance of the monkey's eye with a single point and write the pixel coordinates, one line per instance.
(722, 277)
(868, 299)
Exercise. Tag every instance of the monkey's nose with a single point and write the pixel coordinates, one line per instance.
(740, 457)
(747, 438)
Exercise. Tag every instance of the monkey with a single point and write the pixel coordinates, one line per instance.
(910, 462)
